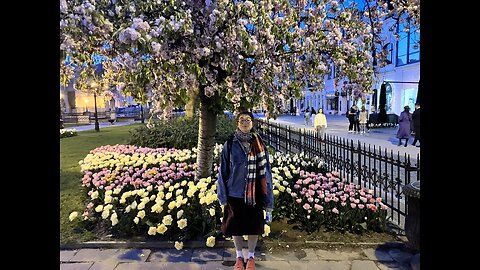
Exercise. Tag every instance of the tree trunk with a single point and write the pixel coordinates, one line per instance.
(190, 106)
(206, 140)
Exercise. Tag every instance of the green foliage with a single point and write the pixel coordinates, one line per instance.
(178, 132)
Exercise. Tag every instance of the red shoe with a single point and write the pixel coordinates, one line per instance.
(239, 264)
(250, 264)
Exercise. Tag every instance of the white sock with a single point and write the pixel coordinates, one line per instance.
(251, 254)
(239, 253)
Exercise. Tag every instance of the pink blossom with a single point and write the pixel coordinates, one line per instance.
(353, 205)
(306, 206)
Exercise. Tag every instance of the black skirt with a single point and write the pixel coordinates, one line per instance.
(241, 219)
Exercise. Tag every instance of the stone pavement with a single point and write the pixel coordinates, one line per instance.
(373, 257)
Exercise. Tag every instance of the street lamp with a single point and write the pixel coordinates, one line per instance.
(94, 86)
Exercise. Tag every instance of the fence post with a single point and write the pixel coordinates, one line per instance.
(359, 174)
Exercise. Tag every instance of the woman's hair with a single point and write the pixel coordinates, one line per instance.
(244, 112)
(406, 108)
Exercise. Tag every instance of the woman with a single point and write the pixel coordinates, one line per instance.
(320, 123)
(404, 125)
(362, 119)
(244, 188)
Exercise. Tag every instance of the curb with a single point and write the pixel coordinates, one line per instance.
(224, 244)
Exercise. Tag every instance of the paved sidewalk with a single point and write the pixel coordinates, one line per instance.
(337, 125)
(102, 125)
(333, 258)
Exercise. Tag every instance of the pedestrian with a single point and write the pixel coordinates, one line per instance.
(404, 125)
(113, 116)
(320, 124)
(244, 188)
(307, 116)
(362, 119)
(312, 114)
(416, 124)
(353, 119)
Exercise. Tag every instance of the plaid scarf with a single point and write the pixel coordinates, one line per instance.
(256, 170)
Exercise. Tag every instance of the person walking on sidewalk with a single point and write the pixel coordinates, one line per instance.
(313, 113)
(416, 124)
(244, 188)
(404, 125)
(307, 116)
(320, 124)
(362, 119)
(352, 119)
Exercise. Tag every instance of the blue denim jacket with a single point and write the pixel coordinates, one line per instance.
(238, 174)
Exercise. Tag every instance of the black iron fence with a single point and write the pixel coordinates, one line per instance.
(368, 166)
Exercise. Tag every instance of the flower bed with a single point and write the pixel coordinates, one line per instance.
(144, 191)
(68, 132)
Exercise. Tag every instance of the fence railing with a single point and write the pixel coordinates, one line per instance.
(368, 166)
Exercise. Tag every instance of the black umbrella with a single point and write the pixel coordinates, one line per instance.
(382, 115)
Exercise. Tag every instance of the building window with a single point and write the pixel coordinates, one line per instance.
(389, 48)
(408, 49)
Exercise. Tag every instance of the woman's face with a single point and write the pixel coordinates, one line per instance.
(244, 123)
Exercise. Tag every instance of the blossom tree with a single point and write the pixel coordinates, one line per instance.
(230, 54)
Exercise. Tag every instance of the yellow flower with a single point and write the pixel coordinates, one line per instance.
(178, 245)
(108, 199)
(152, 230)
(210, 241)
(105, 213)
(94, 195)
(114, 219)
(73, 215)
(128, 209)
(179, 214)
(141, 214)
(168, 196)
(212, 212)
(171, 205)
(134, 204)
(182, 223)
(167, 220)
(276, 192)
(99, 208)
(136, 220)
(161, 229)
(266, 230)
